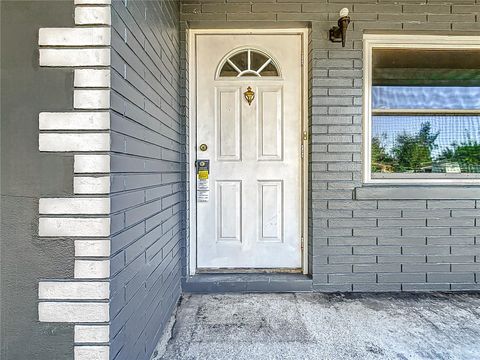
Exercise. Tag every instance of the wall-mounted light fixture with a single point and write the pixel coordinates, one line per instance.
(339, 33)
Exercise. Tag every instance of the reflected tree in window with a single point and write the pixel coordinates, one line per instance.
(466, 155)
(420, 153)
(413, 153)
(382, 161)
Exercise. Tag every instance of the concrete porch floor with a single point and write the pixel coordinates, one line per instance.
(319, 326)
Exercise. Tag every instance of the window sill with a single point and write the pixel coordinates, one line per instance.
(416, 192)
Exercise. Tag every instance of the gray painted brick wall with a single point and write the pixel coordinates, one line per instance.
(148, 174)
(373, 244)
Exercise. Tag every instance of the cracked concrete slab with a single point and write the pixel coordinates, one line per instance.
(322, 326)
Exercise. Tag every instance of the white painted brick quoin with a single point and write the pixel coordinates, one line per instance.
(91, 164)
(74, 206)
(91, 99)
(74, 36)
(62, 142)
(91, 333)
(91, 352)
(98, 120)
(91, 78)
(92, 269)
(92, 248)
(73, 290)
(74, 57)
(83, 299)
(92, 2)
(62, 226)
(91, 185)
(81, 312)
(92, 15)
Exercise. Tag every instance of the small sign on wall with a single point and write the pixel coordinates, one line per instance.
(203, 185)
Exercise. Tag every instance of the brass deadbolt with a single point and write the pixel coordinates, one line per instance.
(203, 147)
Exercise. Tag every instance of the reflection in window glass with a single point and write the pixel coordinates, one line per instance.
(248, 63)
(425, 112)
(426, 97)
(425, 144)
(426, 67)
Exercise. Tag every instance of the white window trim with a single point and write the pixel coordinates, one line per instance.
(400, 41)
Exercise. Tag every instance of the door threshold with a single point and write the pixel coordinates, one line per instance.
(249, 271)
(247, 283)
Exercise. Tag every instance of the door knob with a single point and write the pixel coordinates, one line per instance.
(203, 147)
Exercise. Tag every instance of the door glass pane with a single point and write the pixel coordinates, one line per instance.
(238, 65)
(228, 70)
(257, 60)
(269, 70)
(240, 60)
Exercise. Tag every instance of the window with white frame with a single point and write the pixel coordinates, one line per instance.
(422, 108)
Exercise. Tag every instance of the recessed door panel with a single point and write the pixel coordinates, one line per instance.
(228, 130)
(270, 211)
(270, 124)
(229, 210)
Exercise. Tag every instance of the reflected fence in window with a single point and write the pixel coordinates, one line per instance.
(425, 129)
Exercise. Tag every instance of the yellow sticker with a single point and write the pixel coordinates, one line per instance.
(203, 174)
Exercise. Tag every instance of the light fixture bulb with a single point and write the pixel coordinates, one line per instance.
(344, 12)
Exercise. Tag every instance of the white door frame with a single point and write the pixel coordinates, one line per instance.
(192, 146)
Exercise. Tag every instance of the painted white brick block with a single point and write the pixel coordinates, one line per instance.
(91, 185)
(91, 78)
(73, 312)
(92, 269)
(92, 247)
(74, 142)
(98, 120)
(91, 333)
(91, 352)
(97, 15)
(91, 99)
(92, 2)
(74, 57)
(80, 36)
(52, 226)
(73, 290)
(90, 206)
(91, 163)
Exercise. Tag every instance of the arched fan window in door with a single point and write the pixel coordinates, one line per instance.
(249, 62)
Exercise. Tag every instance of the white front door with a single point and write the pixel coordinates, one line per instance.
(249, 209)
